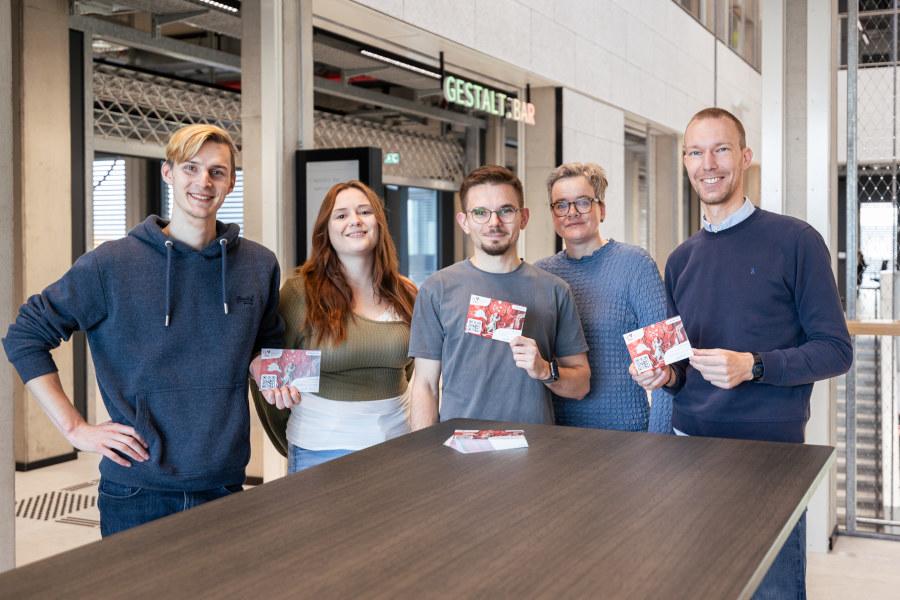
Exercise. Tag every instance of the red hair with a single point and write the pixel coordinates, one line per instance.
(329, 298)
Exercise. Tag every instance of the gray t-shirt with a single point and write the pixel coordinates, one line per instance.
(480, 377)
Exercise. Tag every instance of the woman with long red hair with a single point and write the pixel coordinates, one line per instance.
(349, 301)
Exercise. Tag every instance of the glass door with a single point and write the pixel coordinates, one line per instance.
(421, 223)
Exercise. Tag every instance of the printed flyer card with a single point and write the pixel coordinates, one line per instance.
(494, 319)
(469, 441)
(299, 368)
(659, 344)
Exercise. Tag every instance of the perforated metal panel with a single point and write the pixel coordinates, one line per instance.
(137, 106)
(868, 434)
(421, 156)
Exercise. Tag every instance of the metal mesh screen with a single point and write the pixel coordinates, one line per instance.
(147, 108)
(869, 494)
(421, 156)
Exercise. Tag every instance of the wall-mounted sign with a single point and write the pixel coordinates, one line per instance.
(392, 158)
(494, 102)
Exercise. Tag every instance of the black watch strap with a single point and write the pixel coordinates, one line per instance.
(758, 369)
(554, 372)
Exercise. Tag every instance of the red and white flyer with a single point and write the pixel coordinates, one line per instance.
(299, 368)
(469, 441)
(494, 319)
(659, 344)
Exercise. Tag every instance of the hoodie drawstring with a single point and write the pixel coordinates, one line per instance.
(222, 243)
(168, 280)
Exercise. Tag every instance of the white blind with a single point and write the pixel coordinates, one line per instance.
(108, 200)
(232, 210)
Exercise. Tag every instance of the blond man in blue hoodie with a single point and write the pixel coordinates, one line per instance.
(173, 312)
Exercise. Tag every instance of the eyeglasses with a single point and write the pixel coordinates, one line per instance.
(482, 215)
(582, 206)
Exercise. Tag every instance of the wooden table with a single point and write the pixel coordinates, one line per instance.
(580, 513)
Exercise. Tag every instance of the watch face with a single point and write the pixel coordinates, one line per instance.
(757, 370)
(554, 372)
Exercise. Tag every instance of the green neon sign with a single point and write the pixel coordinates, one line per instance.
(472, 95)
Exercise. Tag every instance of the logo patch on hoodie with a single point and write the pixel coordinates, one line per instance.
(245, 300)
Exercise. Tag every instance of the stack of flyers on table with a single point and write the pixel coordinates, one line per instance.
(299, 368)
(468, 441)
(659, 344)
(494, 319)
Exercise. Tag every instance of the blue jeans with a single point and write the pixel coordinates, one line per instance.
(124, 506)
(301, 458)
(786, 578)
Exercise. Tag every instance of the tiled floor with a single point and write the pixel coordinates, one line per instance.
(856, 569)
(38, 538)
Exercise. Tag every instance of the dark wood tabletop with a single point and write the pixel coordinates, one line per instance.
(580, 513)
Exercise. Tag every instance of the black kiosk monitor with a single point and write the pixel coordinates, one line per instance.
(317, 171)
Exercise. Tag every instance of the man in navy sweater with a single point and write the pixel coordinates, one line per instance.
(761, 308)
(173, 313)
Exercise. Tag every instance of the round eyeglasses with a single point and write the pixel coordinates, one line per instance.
(482, 215)
(582, 206)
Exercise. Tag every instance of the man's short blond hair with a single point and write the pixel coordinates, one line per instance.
(593, 172)
(187, 141)
(715, 112)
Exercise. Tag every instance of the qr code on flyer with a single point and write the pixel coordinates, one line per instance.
(494, 319)
(643, 363)
(268, 382)
(474, 326)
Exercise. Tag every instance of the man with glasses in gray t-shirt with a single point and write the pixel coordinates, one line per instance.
(483, 377)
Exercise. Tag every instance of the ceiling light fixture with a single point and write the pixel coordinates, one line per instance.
(400, 64)
(220, 6)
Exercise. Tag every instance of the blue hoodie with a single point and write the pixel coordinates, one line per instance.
(172, 331)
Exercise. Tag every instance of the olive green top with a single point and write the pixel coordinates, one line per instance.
(371, 363)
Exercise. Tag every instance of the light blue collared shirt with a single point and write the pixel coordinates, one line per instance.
(733, 219)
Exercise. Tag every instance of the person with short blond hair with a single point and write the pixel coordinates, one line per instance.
(186, 142)
(617, 289)
(173, 312)
(761, 309)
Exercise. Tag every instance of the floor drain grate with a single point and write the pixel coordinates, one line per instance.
(52, 505)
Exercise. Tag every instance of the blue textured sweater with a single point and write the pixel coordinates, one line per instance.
(617, 289)
(764, 285)
(181, 385)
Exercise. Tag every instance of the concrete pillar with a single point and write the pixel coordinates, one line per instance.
(821, 213)
(540, 159)
(665, 201)
(45, 197)
(8, 283)
(799, 172)
(795, 107)
(277, 120)
(773, 90)
(593, 131)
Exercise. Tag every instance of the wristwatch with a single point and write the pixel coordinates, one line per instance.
(758, 368)
(554, 372)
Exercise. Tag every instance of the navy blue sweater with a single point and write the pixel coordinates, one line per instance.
(182, 386)
(764, 285)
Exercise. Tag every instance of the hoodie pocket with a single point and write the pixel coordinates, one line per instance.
(197, 431)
